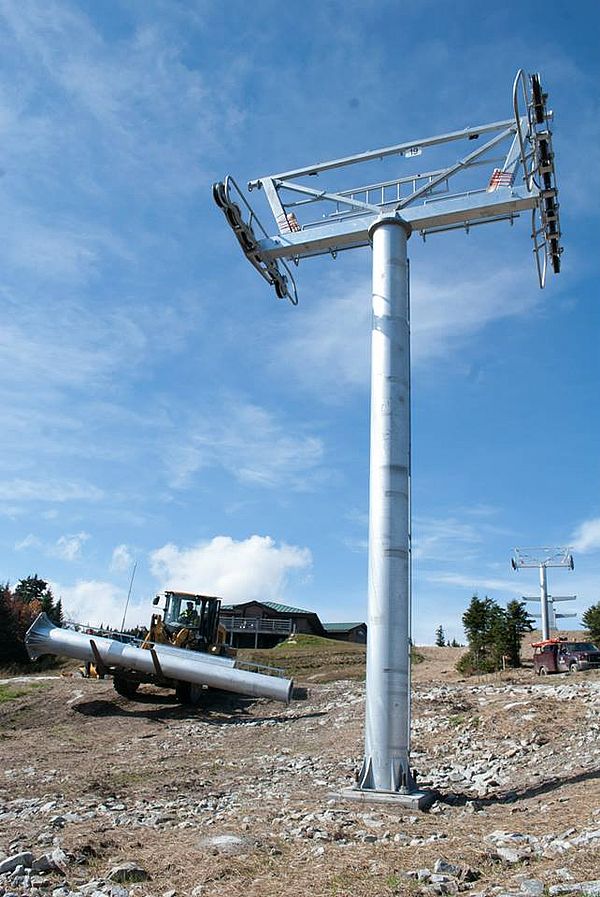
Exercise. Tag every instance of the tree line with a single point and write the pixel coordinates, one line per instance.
(18, 609)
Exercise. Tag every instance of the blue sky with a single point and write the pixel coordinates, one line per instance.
(160, 405)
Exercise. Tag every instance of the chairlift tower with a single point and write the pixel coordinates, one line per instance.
(506, 169)
(544, 558)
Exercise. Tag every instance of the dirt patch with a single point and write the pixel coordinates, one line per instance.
(236, 798)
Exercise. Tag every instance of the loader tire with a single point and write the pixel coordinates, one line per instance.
(125, 687)
(188, 694)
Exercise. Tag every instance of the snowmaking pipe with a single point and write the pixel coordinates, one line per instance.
(179, 664)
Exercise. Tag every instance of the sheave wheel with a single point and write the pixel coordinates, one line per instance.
(219, 194)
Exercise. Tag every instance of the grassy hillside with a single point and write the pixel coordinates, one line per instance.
(312, 658)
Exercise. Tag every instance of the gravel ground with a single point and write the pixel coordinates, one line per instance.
(100, 795)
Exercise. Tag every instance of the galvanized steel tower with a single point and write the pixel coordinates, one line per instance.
(382, 214)
(544, 558)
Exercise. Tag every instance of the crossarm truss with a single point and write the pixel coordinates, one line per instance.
(479, 188)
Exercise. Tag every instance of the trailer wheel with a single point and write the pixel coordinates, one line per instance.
(125, 687)
(188, 694)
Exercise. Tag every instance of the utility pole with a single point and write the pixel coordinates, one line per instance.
(311, 221)
(544, 558)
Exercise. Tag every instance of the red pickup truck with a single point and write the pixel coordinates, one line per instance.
(559, 655)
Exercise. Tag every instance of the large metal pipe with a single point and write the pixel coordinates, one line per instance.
(44, 637)
(386, 764)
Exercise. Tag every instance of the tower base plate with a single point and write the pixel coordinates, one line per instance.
(413, 800)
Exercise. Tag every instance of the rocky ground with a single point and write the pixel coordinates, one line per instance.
(100, 795)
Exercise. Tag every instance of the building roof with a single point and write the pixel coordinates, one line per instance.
(272, 605)
(341, 627)
(285, 608)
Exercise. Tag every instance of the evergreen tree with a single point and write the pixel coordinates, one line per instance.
(10, 648)
(31, 596)
(58, 616)
(32, 588)
(591, 621)
(47, 603)
(479, 620)
(440, 638)
(482, 621)
(493, 633)
(509, 631)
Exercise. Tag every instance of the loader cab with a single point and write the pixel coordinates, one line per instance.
(198, 613)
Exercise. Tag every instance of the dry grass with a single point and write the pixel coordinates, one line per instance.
(77, 743)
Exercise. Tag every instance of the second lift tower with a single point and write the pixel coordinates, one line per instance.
(544, 558)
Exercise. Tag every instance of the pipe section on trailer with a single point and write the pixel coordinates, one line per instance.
(178, 664)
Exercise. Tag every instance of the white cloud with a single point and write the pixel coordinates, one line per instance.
(255, 568)
(69, 547)
(249, 443)
(121, 559)
(586, 537)
(95, 602)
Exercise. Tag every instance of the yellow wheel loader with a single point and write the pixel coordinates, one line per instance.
(186, 621)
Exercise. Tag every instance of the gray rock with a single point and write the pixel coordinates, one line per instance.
(24, 859)
(125, 872)
(533, 886)
(118, 891)
(443, 867)
(226, 844)
(589, 888)
(511, 855)
(456, 870)
(57, 860)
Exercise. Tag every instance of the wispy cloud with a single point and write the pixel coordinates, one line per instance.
(47, 491)
(250, 443)
(121, 92)
(329, 347)
(121, 559)
(69, 547)
(586, 537)
(30, 541)
(475, 582)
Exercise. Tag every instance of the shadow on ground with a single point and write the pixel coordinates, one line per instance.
(518, 794)
(233, 712)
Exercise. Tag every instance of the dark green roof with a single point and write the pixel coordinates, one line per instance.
(272, 605)
(341, 627)
(285, 608)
